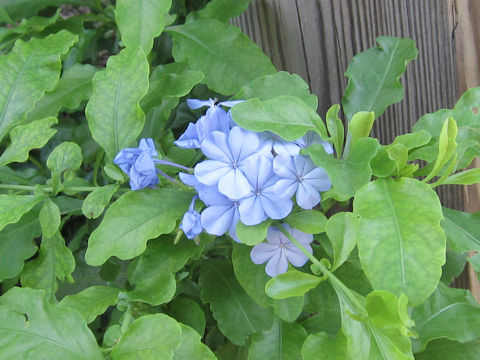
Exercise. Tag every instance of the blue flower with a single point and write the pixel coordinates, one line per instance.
(215, 119)
(311, 138)
(227, 158)
(279, 251)
(262, 202)
(138, 164)
(275, 143)
(191, 223)
(300, 175)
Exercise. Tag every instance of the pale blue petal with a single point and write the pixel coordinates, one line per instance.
(242, 143)
(284, 166)
(230, 103)
(197, 104)
(189, 139)
(234, 184)
(211, 196)
(190, 180)
(285, 188)
(307, 196)
(126, 157)
(147, 145)
(191, 224)
(276, 208)
(301, 165)
(251, 211)
(302, 237)
(209, 172)
(274, 236)
(319, 179)
(216, 220)
(277, 265)
(208, 124)
(232, 231)
(263, 252)
(215, 146)
(283, 147)
(294, 255)
(258, 170)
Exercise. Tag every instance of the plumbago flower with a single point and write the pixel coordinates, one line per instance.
(278, 251)
(191, 224)
(139, 165)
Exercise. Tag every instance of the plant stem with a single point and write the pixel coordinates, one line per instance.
(126, 320)
(98, 161)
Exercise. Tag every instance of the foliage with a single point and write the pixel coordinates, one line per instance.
(152, 159)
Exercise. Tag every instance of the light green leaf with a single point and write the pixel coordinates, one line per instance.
(29, 329)
(331, 348)
(16, 244)
(462, 230)
(152, 337)
(413, 140)
(63, 160)
(341, 230)
(49, 218)
(188, 312)
(29, 70)
(74, 86)
(252, 235)
(290, 284)
(114, 173)
(449, 313)
(360, 126)
(350, 174)
(286, 115)
(113, 111)
(227, 57)
(446, 146)
(335, 128)
(281, 341)
(444, 349)
(54, 261)
(281, 83)
(97, 200)
(27, 137)
(221, 10)
(467, 116)
(132, 220)
(12, 207)
(154, 274)
(192, 347)
(237, 315)
(307, 221)
(399, 155)
(92, 301)
(141, 21)
(467, 177)
(373, 76)
(399, 229)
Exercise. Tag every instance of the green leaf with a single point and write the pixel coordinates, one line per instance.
(192, 347)
(373, 76)
(49, 218)
(29, 70)
(27, 137)
(335, 128)
(446, 146)
(281, 83)
(18, 9)
(54, 261)
(467, 177)
(141, 21)
(92, 301)
(97, 200)
(360, 125)
(281, 341)
(290, 284)
(444, 349)
(221, 10)
(341, 230)
(398, 153)
(188, 312)
(154, 274)
(322, 303)
(399, 229)
(12, 207)
(308, 221)
(63, 160)
(153, 337)
(322, 343)
(252, 235)
(467, 116)
(286, 116)
(74, 87)
(16, 244)
(113, 111)
(227, 57)
(132, 220)
(449, 313)
(28, 321)
(350, 174)
(114, 173)
(462, 230)
(237, 315)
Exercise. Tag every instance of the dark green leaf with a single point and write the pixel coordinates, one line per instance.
(444, 349)
(12, 207)
(331, 348)
(399, 229)
(49, 218)
(187, 311)
(373, 76)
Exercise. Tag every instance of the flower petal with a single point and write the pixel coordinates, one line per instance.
(197, 104)
(284, 166)
(211, 196)
(276, 208)
(251, 211)
(189, 139)
(307, 196)
(263, 252)
(318, 178)
(285, 188)
(242, 143)
(217, 219)
(209, 172)
(215, 146)
(234, 184)
(277, 265)
(295, 256)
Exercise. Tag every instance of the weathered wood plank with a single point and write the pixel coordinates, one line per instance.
(317, 39)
